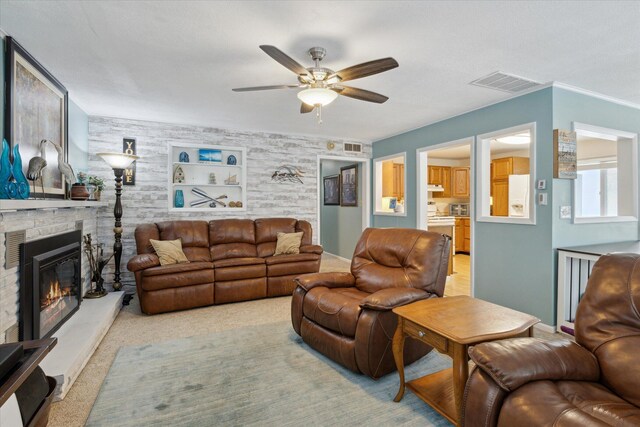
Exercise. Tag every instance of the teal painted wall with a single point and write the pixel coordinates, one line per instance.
(514, 264)
(340, 227)
(569, 107)
(78, 138)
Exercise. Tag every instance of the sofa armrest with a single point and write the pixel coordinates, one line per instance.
(514, 362)
(328, 280)
(142, 262)
(311, 249)
(389, 298)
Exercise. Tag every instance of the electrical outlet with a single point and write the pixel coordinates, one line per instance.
(565, 212)
(542, 199)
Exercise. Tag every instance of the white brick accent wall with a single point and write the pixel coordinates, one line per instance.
(147, 201)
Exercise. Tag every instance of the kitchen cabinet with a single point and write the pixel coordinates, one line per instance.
(460, 182)
(440, 175)
(463, 235)
(398, 181)
(500, 171)
(393, 180)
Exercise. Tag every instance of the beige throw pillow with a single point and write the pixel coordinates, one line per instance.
(288, 243)
(169, 251)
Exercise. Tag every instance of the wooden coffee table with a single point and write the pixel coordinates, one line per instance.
(451, 325)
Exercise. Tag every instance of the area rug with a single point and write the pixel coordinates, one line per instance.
(254, 376)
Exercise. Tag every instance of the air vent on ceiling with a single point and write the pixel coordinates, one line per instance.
(505, 82)
(352, 147)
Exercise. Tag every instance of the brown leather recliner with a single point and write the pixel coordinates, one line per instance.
(348, 317)
(594, 381)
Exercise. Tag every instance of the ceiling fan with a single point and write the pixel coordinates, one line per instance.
(320, 85)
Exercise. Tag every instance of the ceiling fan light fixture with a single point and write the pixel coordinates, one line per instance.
(520, 139)
(317, 96)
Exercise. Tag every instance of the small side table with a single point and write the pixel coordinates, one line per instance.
(451, 325)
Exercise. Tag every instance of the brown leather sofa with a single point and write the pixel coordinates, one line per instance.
(229, 260)
(594, 381)
(348, 317)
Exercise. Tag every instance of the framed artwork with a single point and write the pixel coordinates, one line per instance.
(565, 154)
(37, 106)
(209, 155)
(349, 185)
(332, 190)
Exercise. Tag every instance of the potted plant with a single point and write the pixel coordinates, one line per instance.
(79, 189)
(99, 184)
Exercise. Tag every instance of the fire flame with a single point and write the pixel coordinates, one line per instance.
(54, 294)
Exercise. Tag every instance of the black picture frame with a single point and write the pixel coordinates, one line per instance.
(30, 86)
(349, 185)
(331, 193)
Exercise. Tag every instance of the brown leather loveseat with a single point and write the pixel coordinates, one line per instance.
(348, 317)
(230, 260)
(594, 381)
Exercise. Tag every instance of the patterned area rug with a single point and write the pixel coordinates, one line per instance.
(263, 375)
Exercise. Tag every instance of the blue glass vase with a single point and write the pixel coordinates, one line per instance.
(178, 200)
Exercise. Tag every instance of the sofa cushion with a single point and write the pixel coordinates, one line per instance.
(335, 309)
(240, 272)
(267, 230)
(567, 403)
(232, 238)
(282, 259)
(300, 267)
(288, 243)
(236, 262)
(177, 275)
(194, 236)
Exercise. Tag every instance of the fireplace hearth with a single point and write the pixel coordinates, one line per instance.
(50, 284)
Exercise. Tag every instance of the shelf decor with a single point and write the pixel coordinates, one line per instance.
(178, 200)
(213, 182)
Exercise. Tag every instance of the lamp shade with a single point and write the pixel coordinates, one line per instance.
(118, 160)
(317, 96)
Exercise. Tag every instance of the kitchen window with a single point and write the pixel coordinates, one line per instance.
(606, 187)
(506, 175)
(389, 185)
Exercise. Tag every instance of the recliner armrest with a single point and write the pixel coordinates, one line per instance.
(328, 280)
(514, 362)
(389, 298)
(311, 249)
(142, 262)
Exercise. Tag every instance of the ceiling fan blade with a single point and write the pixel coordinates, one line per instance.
(361, 94)
(285, 60)
(305, 108)
(365, 69)
(247, 89)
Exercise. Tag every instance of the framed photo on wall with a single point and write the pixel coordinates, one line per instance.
(349, 185)
(331, 190)
(37, 108)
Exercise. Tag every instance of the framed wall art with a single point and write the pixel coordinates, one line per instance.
(565, 154)
(349, 185)
(37, 108)
(331, 190)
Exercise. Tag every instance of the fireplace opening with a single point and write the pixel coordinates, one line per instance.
(50, 284)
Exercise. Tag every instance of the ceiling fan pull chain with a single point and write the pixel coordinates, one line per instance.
(319, 113)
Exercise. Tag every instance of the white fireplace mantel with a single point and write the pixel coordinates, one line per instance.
(19, 205)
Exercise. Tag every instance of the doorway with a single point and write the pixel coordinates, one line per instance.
(340, 222)
(445, 205)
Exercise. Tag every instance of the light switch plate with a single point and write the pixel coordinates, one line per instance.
(542, 199)
(565, 212)
(541, 184)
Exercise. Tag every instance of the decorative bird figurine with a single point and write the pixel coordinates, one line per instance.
(36, 165)
(64, 167)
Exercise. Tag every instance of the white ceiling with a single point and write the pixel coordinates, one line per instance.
(176, 61)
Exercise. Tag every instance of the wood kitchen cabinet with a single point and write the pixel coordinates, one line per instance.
(434, 175)
(460, 182)
(393, 180)
(500, 171)
(463, 235)
(398, 181)
(440, 175)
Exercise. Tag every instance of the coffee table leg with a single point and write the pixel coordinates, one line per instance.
(460, 375)
(398, 356)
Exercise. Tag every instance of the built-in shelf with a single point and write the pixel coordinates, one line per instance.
(20, 205)
(199, 175)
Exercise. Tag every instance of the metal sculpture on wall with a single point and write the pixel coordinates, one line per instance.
(288, 173)
(13, 183)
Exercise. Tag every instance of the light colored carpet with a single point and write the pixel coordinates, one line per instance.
(131, 327)
(261, 375)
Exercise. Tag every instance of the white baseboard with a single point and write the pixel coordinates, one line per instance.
(545, 328)
(337, 256)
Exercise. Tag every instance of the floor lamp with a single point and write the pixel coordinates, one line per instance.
(118, 162)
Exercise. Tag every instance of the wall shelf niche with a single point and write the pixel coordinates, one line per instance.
(197, 177)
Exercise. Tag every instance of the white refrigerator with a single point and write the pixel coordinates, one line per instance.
(519, 196)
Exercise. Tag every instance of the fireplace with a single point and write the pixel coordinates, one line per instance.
(50, 284)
